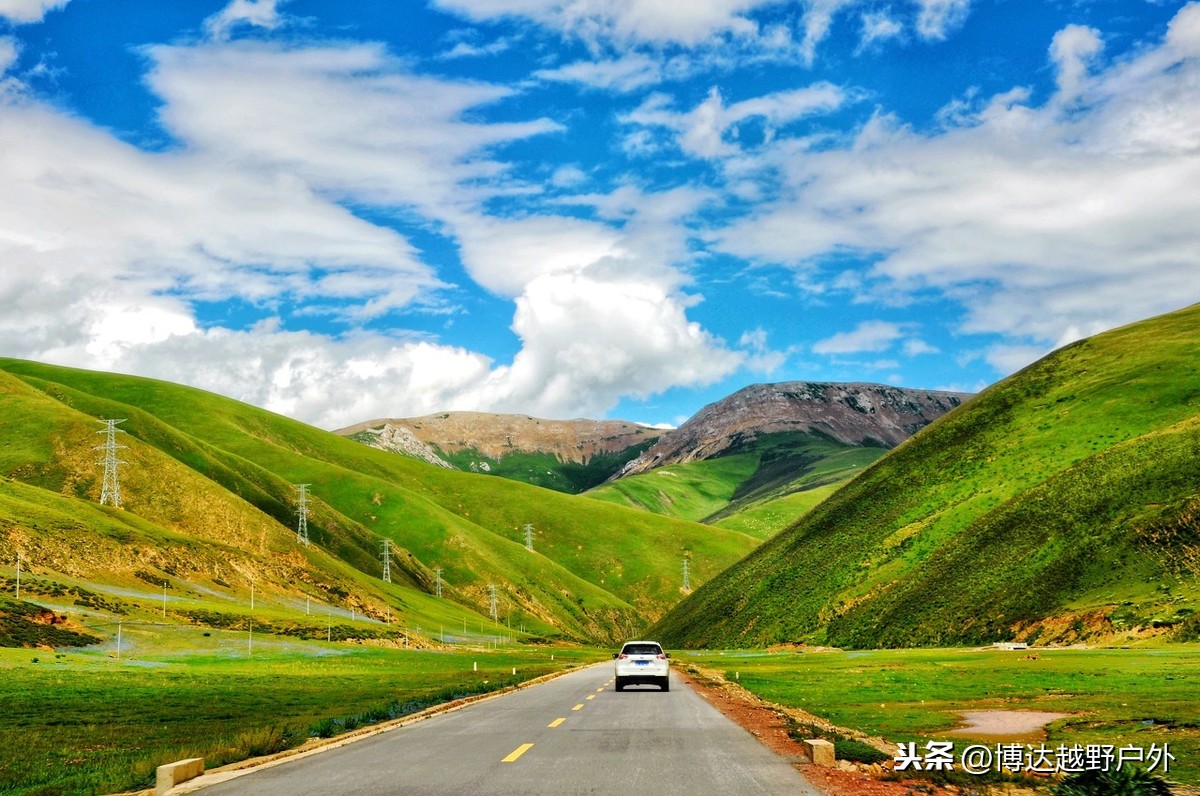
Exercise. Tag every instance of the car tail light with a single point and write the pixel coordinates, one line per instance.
(622, 656)
(661, 657)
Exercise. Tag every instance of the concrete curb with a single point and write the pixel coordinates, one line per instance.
(318, 745)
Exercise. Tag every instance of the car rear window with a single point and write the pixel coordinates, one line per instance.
(642, 649)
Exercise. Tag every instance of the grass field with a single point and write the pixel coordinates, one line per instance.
(1123, 697)
(82, 722)
(757, 489)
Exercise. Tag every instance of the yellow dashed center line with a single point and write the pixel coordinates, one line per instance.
(556, 722)
(591, 696)
(598, 690)
(520, 750)
(578, 707)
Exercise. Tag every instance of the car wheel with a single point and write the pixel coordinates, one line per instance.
(666, 684)
(620, 685)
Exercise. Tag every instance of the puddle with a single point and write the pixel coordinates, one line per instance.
(1007, 725)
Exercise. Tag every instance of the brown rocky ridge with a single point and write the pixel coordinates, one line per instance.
(495, 436)
(853, 414)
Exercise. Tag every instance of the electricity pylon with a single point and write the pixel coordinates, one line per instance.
(110, 490)
(302, 514)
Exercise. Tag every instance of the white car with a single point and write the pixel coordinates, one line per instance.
(643, 663)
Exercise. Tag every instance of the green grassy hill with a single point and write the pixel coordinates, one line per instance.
(545, 469)
(757, 488)
(1062, 503)
(209, 498)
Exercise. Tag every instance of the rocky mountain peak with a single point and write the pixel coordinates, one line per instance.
(853, 414)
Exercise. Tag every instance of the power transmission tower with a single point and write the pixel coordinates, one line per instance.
(687, 585)
(387, 560)
(438, 583)
(302, 513)
(492, 600)
(110, 490)
(529, 537)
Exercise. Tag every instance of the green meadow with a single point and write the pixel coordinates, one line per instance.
(757, 489)
(84, 722)
(1135, 696)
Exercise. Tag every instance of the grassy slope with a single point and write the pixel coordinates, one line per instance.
(758, 489)
(1069, 488)
(180, 527)
(469, 525)
(545, 469)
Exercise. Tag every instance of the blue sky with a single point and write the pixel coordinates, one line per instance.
(621, 208)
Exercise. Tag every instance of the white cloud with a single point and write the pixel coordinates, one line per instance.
(1081, 219)
(1072, 50)
(936, 19)
(761, 358)
(107, 247)
(867, 336)
(687, 22)
(9, 51)
(22, 12)
(878, 26)
(567, 176)
(627, 73)
(350, 120)
(253, 13)
(505, 255)
(330, 383)
(706, 130)
(916, 347)
(587, 342)
(817, 19)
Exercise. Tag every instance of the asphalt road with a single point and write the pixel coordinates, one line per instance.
(572, 735)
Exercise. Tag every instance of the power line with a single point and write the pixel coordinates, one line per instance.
(110, 490)
(302, 514)
(387, 560)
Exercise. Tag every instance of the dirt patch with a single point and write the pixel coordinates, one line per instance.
(769, 723)
(1007, 725)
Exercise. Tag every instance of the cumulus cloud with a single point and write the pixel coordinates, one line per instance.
(586, 342)
(1072, 50)
(109, 248)
(21, 12)
(505, 255)
(1080, 218)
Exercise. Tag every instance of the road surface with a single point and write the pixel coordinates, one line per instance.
(572, 735)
